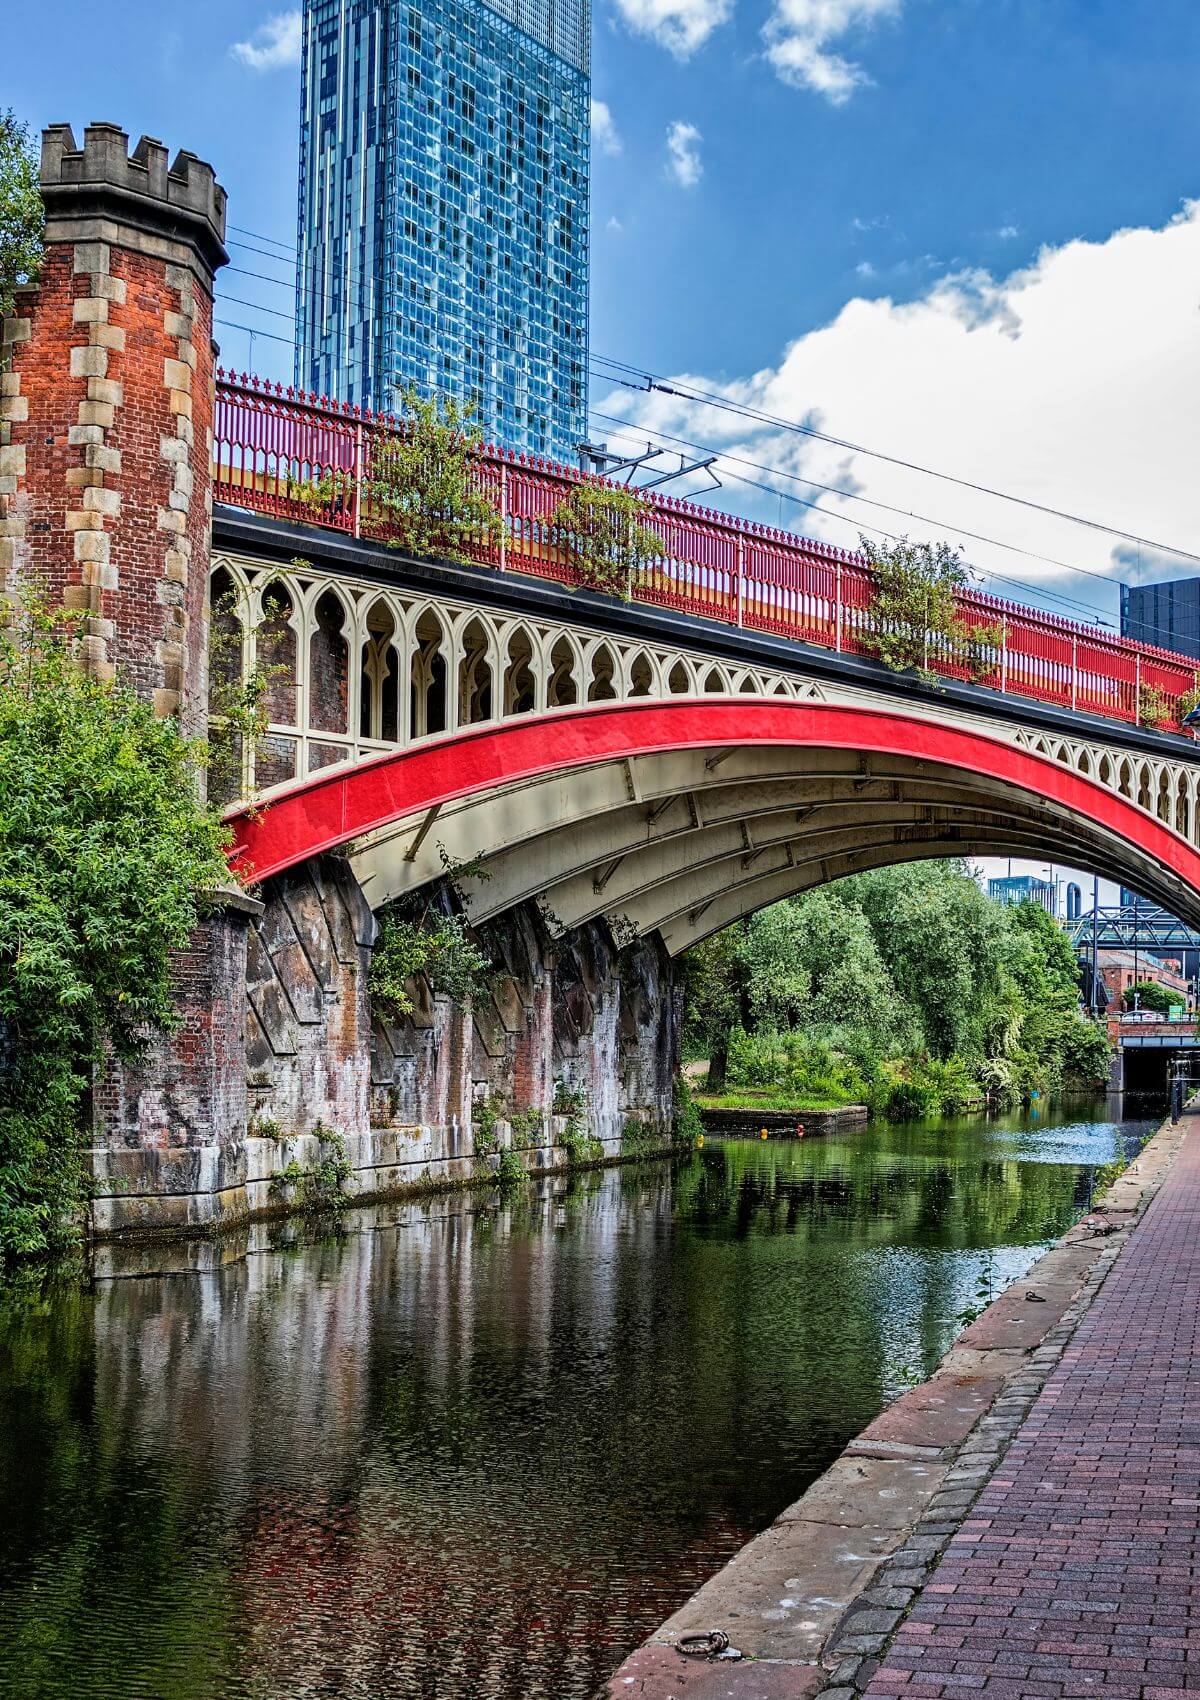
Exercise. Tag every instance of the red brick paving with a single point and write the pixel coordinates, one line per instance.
(1078, 1571)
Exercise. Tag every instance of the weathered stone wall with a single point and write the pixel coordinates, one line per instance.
(308, 1030)
(278, 1052)
(575, 1009)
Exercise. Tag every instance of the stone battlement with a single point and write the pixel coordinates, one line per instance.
(178, 206)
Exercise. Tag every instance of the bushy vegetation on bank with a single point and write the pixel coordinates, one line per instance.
(106, 849)
(906, 989)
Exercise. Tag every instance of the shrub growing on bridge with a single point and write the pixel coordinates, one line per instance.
(420, 491)
(607, 536)
(916, 616)
(104, 846)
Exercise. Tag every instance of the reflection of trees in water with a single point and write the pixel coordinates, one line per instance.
(500, 1443)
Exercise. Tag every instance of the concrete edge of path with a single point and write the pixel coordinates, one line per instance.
(813, 1600)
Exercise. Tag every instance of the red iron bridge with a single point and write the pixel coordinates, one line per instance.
(273, 444)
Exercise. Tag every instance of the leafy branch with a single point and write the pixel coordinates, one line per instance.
(607, 536)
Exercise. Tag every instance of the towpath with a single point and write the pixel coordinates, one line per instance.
(1077, 1572)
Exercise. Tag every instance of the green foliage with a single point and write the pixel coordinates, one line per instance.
(1154, 707)
(688, 1125)
(421, 490)
(1189, 702)
(1148, 994)
(263, 1127)
(607, 535)
(804, 1068)
(909, 978)
(510, 1171)
(575, 1138)
(318, 1186)
(639, 1139)
(569, 1100)
(434, 944)
(486, 1116)
(104, 848)
(526, 1125)
(715, 979)
(22, 215)
(423, 494)
(915, 618)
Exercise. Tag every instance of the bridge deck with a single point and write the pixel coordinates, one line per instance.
(1078, 1570)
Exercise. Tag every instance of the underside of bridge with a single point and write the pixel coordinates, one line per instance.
(607, 838)
(679, 818)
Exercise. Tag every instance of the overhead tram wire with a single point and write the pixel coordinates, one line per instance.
(1072, 603)
(852, 496)
(653, 383)
(1090, 609)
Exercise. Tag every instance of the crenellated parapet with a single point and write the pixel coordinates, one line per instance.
(106, 409)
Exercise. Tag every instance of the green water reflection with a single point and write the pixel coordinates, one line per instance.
(480, 1450)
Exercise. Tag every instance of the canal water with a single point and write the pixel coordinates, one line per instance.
(476, 1449)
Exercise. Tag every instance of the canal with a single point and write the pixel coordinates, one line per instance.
(475, 1450)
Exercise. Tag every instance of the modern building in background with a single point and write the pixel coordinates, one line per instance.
(443, 217)
(1166, 614)
(1024, 888)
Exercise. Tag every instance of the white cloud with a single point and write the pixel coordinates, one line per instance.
(1008, 232)
(683, 154)
(681, 26)
(864, 268)
(614, 224)
(801, 37)
(273, 45)
(604, 131)
(1071, 382)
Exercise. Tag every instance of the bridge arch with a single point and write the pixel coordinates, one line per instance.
(680, 815)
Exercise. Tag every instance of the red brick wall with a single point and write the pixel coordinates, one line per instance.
(107, 506)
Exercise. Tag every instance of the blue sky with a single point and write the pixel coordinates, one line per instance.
(896, 218)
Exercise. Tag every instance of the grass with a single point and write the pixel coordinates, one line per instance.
(765, 1098)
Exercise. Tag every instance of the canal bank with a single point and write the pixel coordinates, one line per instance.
(482, 1444)
(813, 1602)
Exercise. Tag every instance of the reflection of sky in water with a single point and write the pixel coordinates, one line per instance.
(1081, 1143)
(480, 1449)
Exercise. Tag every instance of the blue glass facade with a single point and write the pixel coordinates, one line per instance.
(443, 220)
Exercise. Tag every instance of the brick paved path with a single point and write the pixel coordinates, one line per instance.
(1078, 1571)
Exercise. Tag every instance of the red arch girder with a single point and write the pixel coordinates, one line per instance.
(343, 803)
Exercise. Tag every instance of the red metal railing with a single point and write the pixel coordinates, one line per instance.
(272, 446)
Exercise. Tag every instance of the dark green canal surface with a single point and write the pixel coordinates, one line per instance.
(480, 1450)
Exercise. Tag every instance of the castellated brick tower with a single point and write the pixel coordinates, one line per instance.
(106, 409)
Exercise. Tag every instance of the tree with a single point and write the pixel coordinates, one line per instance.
(916, 617)
(714, 998)
(105, 855)
(608, 536)
(21, 212)
(1149, 994)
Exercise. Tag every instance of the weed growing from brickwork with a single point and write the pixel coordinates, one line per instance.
(424, 936)
(104, 848)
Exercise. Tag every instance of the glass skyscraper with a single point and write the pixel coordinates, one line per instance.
(443, 219)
